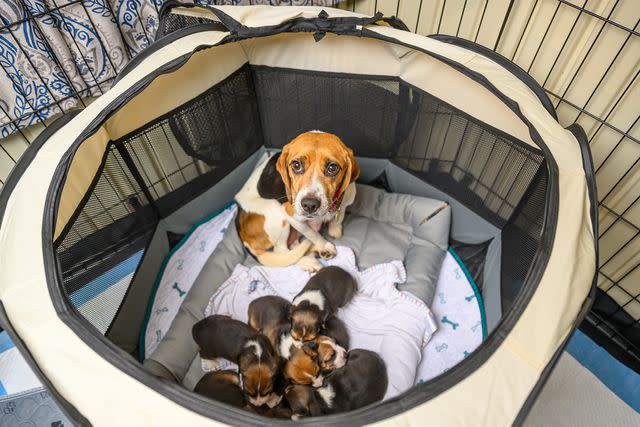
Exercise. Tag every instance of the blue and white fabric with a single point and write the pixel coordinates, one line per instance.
(178, 273)
(58, 50)
(459, 311)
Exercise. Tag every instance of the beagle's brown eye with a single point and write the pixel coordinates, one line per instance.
(297, 167)
(332, 169)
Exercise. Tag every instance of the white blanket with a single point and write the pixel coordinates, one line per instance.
(380, 318)
(453, 300)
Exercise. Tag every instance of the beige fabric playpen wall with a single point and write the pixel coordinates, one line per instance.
(586, 54)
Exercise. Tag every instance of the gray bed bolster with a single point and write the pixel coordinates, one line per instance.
(382, 227)
(177, 349)
(379, 227)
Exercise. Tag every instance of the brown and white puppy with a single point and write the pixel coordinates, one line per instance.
(331, 356)
(223, 386)
(258, 363)
(270, 316)
(362, 381)
(329, 289)
(310, 183)
(302, 366)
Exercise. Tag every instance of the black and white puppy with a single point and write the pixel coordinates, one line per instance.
(258, 363)
(223, 386)
(329, 289)
(361, 382)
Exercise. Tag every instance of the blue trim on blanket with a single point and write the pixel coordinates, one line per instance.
(483, 317)
(621, 380)
(156, 284)
(5, 342)
(106, 280)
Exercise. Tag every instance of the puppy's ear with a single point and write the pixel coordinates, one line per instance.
(292, 308)
(282, 165)
(352, 173)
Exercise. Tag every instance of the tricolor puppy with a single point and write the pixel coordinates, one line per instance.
(362, 381)
(331, 356)
(310, 183)
(329, 289)
(270, 316)
(302, 366)
(223, 386)
(222, 336)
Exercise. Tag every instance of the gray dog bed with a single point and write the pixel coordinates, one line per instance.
(379, 227)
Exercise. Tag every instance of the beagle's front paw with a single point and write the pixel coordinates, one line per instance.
(326, 251)
(309, 264)
(334, 230)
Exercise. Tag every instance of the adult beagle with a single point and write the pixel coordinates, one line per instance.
(310, 183)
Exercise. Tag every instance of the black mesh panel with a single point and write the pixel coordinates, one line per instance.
(362, 111)
(97, 250)
(222, 124)
(147, 175)
(483, 168)
(173, 22)
(521, 238)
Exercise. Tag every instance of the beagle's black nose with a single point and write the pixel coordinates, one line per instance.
(310, 204)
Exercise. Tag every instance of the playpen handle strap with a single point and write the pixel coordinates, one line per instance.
(318, 26)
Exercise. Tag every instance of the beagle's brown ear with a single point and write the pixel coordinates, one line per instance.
(351, 173)
(282, 165)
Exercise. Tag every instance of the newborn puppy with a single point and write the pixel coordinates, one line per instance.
(270, 315)
(303, 401)
(331, 356)
(223, 386)
(336, 329)
(329, 289)
(302, 367)
(362, 381)
(222, 336)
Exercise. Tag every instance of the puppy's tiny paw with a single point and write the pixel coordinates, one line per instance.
(327, 251)
(335, 230)
(309, 264)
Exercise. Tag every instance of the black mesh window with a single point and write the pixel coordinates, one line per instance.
(102, 244)
(521, 238)
(171, 22)
(497, 176)
(223, 123)
(147, 175)
(362, 111)
(480, 166)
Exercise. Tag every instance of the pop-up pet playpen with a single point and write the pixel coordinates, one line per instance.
(181, 130)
